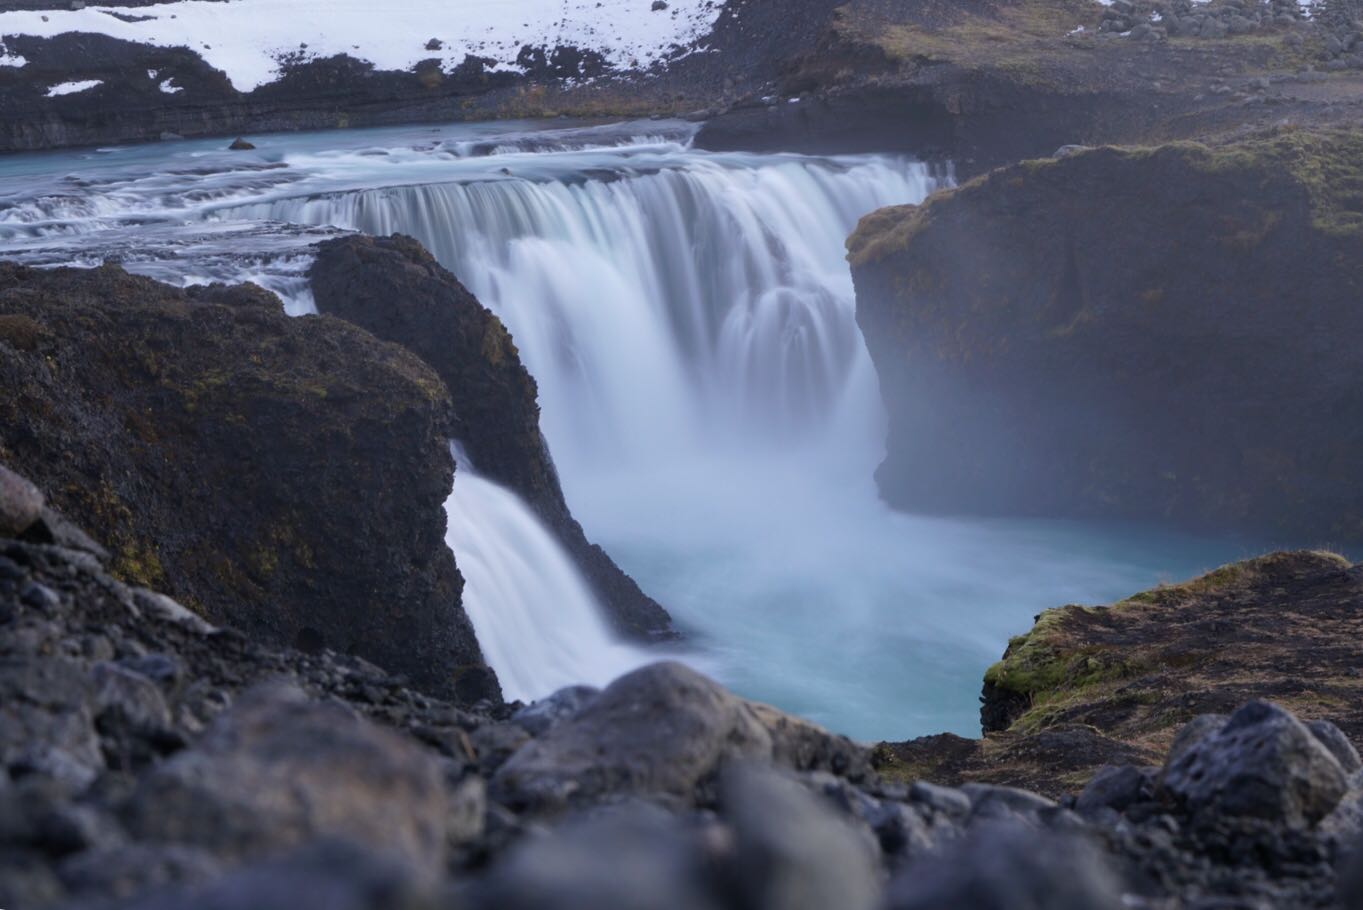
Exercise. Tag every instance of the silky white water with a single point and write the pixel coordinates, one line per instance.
(514, 571)
(706, 394)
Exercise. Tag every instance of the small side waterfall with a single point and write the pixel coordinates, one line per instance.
(539, 625)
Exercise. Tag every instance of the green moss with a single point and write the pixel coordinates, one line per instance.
(140, 565)
(1327, 164)
(1238, 574)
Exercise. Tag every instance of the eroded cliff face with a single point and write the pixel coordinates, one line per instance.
(283, 476)
(1158, 334)
(394, 288)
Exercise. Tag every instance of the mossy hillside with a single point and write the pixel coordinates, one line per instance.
(1077, 658)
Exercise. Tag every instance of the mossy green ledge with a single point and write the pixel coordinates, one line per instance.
(1088, 686)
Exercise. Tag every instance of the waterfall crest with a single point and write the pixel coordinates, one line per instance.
(663, 309)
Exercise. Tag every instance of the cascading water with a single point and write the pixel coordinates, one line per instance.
(537, 621)
(705, 389)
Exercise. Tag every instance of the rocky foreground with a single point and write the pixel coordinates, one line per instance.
(149, 759)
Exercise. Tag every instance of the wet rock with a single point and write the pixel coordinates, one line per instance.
(21, 503)
(1262, 763)
(278, 770)
(1008, 867)
(241, 145)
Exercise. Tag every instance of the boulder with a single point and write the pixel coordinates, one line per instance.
(1262, 763)
(790, 851)
(21, 503)
(393, 287)
(1192, 366)
(660, 731)
(631, 856)
(279, 770)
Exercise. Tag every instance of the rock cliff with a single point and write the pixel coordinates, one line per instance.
(1151, 334)
(394, 288)
(283, 476)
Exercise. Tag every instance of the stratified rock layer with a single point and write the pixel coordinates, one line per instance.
(394, 288)
(1160, 334)
(284, 476)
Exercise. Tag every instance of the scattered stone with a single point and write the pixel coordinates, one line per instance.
(241, 145)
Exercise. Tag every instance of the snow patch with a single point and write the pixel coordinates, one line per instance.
(8, 59)
(71, 88)
(248, 39)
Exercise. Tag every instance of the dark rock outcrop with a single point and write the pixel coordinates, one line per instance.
(394, 288)
(284, 476)
(1192, 365)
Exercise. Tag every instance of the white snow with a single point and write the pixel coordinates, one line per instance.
(8, 59)
(247, 39)
(70, 88)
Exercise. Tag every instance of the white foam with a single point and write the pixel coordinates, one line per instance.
(248, 39)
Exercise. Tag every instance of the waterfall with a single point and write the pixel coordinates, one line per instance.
(666, 310)
(538, 624)
(706, 393)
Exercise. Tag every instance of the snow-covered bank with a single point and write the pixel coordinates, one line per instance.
(250, 39)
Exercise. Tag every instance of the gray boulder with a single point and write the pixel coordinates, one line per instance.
(1116, 787)
(659, 731)
(1333, 738)
(629, 856)
(791, 851)
(1262, 763)
(278, 770)
(21, 503)
(47, 719)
